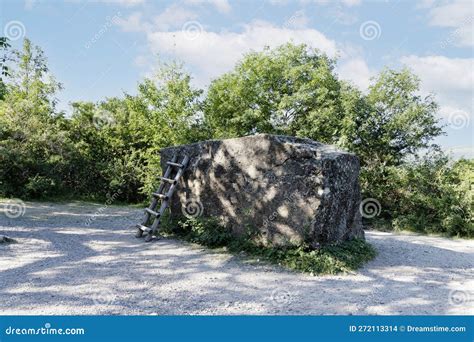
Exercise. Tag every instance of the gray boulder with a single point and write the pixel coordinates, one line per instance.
(291, 190)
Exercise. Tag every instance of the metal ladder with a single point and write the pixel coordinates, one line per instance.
(165, 191)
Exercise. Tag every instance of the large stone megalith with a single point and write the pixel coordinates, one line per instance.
(291, 190)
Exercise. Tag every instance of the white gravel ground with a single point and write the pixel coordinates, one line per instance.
(84, 259)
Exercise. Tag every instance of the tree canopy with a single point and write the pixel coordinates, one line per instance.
(111, 147)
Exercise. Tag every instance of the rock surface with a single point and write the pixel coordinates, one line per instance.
(291, 190)
(6, 239)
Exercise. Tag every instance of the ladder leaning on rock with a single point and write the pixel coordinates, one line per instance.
(165, 191)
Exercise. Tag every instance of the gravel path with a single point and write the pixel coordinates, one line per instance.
(83, 259)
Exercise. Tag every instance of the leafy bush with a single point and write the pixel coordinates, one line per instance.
(103, 148)
(205, 232)
(435, 196)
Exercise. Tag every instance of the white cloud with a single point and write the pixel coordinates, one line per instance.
(126, 3)
(278, 2)
(212, 53)
(29, 4)
(348, 3)
(222, 6)
(173, 16)
(450, 14)
(134, 23)
(451, 79)
(141, 61)
(459, 15)
(297, 20)
(351, 3)
(356, 71)
(342, 16)
(462, 151)
(447, 112)
(452, 82)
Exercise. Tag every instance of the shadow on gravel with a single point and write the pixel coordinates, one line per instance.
(63, 263)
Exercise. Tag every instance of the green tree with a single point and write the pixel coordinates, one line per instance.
(112, 147)
(386, 129)
(4, 46)
(390, 123)
(165, 112)
(119, 138)
(294, 90)
(288, 90)
(30, 134)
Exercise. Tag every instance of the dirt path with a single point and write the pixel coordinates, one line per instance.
(82, 259)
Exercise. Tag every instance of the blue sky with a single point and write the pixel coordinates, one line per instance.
(100, 49)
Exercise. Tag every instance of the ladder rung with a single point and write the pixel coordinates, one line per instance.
(144, 228)
(169, 180)
(163, 197)
(151, 212)
(175, 164)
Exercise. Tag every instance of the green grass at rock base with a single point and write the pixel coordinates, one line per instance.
(344, 257)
